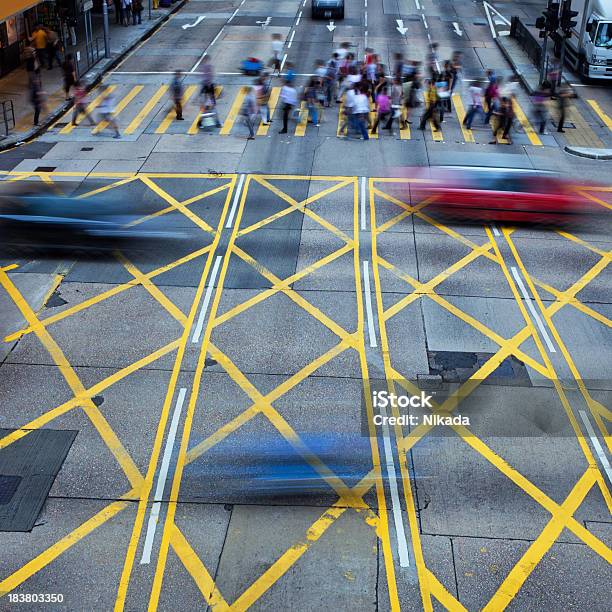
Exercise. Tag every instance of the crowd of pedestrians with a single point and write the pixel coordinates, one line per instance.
(371, 96)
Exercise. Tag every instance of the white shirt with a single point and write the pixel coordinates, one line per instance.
(349, 100)
(476, 95)
(107, 106)
(342, 53)
(277, 47)
(288, 95)
(362, 104)
(354, 78)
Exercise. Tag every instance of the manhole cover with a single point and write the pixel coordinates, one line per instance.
(8, 486)
(45, 168)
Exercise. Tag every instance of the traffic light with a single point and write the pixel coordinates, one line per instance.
(567, 18)
(549, 21)
(551, 15)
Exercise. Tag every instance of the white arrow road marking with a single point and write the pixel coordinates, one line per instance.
(265, 23)
(331, 27)
(457, 29)
(400, 27)
(195, 23)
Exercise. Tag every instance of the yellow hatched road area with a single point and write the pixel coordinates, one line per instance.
(350, 499)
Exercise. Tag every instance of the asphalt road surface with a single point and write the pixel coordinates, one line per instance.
(195, 377)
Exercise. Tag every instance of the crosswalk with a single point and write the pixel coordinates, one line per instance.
(147, 108)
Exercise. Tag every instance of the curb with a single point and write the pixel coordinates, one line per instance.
(514, 66)
(17, 141)
(589, 153)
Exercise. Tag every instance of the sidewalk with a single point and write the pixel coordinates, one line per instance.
(14, 86)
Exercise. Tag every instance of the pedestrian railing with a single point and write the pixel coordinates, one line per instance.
(94, 52)
(7, 115)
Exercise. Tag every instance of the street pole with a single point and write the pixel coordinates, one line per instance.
(105, 24)
(561, 61)
(543, 62)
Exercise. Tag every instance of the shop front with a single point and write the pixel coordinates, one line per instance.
(17, 20)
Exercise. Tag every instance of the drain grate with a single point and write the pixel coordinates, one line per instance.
(87, 148)
(8, 487)
(45, 168)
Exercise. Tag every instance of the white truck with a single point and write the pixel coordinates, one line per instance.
(589, 48)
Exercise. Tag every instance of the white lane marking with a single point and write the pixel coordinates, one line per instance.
(488, 14)
(230, 219)
(197, 333)
(457, 29)
(161, 479)
(233, 15)
(304, 3)
(283, 62)
(494, 10)
(363, 204)
(292, 37)
(195, 23)
(534, 314)
(366, 38)
(297, 23)
(195, 66)
(595, 442)
(368, 302)
(424, 21)
(402, 545)
(495, 230)
(366, 20)
(416, 2)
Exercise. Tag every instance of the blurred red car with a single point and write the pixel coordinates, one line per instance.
(509, 195)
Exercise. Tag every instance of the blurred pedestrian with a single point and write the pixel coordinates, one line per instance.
(126, 5)
(277, 50)
(508, 118)
(564, 93)
(433, 64)
(431, 106)
(177, 90)
(37, 98)
(491, 93)
(540, 108)
(347, 119)
(262, 93)
(289, 100)
(81, 102)
(118, 11)
(383, 111)
(311, 97)
(361, 111)
(137, 12)
(249, 112)
(208, 78)
(500, 114)
(395, 94)
(39, 40)
(31, 61)
(69, 74)
(443, 95)
(53, 49)
(106, 110)
(456, 70)
(412, 98)
(330, 81)
(476, 94)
